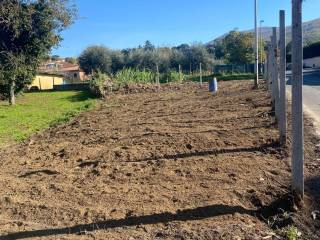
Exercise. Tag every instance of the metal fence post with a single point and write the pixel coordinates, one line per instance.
(297, 107)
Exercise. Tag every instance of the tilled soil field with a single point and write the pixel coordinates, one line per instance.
(180, 163)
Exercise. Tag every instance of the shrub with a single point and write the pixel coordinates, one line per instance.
(173, 76)
(290, 233)
(100, 84)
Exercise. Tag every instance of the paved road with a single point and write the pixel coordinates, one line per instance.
(311, 93)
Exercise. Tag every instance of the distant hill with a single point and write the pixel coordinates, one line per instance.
(311, 31)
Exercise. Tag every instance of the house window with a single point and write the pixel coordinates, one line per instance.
(75, 75)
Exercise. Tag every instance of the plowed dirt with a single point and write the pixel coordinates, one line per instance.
(180, 163)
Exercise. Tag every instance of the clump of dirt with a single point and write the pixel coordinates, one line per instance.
(175, 163)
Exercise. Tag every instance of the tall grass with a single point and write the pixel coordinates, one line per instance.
(133, 76)
(130, 75)
(173, 76)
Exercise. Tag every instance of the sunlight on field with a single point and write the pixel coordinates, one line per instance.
(37, 111)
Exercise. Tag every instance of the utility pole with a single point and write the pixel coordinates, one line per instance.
(256, 63)
(282, 76)
(297, 107)
(201, 73)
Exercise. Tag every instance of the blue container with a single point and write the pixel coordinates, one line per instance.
(213, 85)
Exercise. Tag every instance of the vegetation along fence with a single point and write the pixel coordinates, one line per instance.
(234, 68)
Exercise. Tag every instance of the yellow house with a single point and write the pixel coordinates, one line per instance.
(45, 81)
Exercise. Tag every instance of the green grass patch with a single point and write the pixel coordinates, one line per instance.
(290, 233)
(36, 111)
(240, 76)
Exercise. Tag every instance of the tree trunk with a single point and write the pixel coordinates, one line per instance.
(12, 99)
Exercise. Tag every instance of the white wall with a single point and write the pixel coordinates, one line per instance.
(312, 62)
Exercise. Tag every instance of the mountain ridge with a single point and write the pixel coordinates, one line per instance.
(311, 32)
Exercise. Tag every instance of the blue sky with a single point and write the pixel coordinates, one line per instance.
(127, 23)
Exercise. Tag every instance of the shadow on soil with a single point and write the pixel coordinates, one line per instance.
(262, 148)
(313, 185)
(199, 213)
(313, 189)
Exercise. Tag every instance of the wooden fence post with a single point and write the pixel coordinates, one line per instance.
(180, 73)
(282, 75)
(297, 107)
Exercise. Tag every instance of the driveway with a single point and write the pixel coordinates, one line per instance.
(311, 93)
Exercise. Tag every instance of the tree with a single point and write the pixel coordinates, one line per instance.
(199, 54)
(162, 59)
(311, 50)
(148, 46)
(262, 51)
(186, 58)
(28, 31)
(237, 47)
(55, 57)
(117, 61)
(71, 60)
(148, 57)
(177, 57)
(96, 59)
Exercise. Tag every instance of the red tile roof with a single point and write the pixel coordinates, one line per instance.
(60, 67)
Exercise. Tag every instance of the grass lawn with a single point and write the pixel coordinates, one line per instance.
(40, 110)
